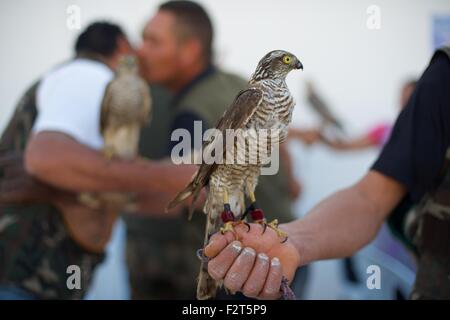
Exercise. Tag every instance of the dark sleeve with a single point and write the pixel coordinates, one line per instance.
(415, 152)
(193, 123)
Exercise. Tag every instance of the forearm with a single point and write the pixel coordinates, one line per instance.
(122, 176)
(357, 144)
(347, 220)
(62, 162)
(335, 228)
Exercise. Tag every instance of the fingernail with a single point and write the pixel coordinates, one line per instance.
(249, 251)
(275, 262)
(236, 246)
(263, 256)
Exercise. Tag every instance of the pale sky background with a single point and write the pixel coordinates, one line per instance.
(359, 71)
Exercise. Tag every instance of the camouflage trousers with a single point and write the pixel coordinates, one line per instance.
(161, 256)
(433, 272)
(38, 255)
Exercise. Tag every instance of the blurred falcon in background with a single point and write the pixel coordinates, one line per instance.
(126, 107)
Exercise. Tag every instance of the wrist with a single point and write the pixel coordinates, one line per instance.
(301, 240)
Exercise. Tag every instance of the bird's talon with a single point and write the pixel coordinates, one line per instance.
(242, 222)
(263, 223)
(228, 226)
(264, 228)
(274, 225)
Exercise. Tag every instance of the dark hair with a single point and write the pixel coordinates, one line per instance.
(194, 22)
(99, 38)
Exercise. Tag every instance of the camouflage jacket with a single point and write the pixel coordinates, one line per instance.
(429, 226)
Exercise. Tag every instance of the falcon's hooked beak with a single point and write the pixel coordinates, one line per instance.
(299, 65)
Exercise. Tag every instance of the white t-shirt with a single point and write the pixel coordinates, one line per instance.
(69, 101)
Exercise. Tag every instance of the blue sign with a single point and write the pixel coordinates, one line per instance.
(441, 31)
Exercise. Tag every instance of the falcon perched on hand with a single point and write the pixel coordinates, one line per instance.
(125, 109)
(266, 104)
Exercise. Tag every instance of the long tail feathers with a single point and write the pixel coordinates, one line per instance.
(206, 286)
(195, 195)
(181, 196)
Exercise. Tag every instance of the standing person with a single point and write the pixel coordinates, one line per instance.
(57, 123)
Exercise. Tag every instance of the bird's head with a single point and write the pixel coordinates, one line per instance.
(127, 64)
(276, 65)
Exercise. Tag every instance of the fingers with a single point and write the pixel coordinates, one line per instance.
(253, 238)
(217, 243)
(255, 282)
(272, 286)
(239, 271)
(256, 275)
(218, 266)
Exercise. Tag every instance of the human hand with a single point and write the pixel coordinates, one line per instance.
(255, 263)
(295, 189)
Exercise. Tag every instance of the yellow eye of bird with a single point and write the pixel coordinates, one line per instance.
(287, 59)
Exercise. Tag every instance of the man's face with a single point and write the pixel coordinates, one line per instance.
(159, 53)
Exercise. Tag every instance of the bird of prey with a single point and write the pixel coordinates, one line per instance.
(266, 104)
(126, 107)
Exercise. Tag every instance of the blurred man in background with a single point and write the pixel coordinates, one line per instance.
(37, 246)
(176, 54)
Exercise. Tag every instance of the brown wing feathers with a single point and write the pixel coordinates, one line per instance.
(235, 117)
